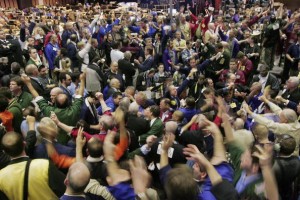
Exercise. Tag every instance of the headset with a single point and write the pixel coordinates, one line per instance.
(278, 147)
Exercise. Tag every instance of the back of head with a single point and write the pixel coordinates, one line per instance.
(124, 104)
(3, 103)
(133, 108)
(73, 38)
(78, 177)
(190, 102)
(107, 122)
(127, 55)
(62, 101)
(12, 144)
(171, 127)
(4, 91)
(49, 124)
(31, 69)
(15, 68)
(179, 115)
(175, 188)
(290, 115)
(238, 124)
(287, 144)
(260, 132)
(155, 110)
(94, 147)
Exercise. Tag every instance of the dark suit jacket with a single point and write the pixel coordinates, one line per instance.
(272, 81)
(141, 82)
(39, 88)
(292, 96)
(138, 124)
(156, 129)
(128, 70)
(72, 51)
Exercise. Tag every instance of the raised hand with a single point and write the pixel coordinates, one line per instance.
(80, 139)
(168, 141)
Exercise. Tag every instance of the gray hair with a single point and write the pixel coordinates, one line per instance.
(290, 115)
(133, 108)
(127, 55)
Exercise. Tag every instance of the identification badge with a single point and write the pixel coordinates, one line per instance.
(233, 105)
(173, 102)
(222, 61)
(143, 83)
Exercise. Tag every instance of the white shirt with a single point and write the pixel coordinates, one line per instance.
(152, 121)
(164, 115)
(116, 55)
(263, 81)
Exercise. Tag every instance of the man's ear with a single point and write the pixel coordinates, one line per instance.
(108, 180)
(66, 182)
(203, 175)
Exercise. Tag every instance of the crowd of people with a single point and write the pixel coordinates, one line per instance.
(137, 103)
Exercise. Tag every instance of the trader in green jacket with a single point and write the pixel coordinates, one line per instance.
(67, 112)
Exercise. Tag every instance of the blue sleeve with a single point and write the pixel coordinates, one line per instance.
(203, 65)
(100, 34)
(99, 110)
(122, 191)
(64, 38)
(135, 29)
(182, 86)
(223, 36)
(31, 27)
(146, 65)
(292, 105)
(116, 22)
(163, 174)
(236, 48)
(110, 104)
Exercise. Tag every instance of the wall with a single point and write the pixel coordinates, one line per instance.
(14, 3)
(291, 4)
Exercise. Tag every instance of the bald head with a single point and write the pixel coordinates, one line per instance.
(54, 92)
(31, 70)
(61, 101)
(288, 116)
(77, 178)
(238, 124)
(12, 144)
(171, 127)
(260, 132)
(47, 127)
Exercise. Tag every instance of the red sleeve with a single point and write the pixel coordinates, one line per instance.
(249, 67)
(194, 19)
(121, 147)
(218, 121)
(253, 21)
(194, 127)
(242, 79)
(62, 161)
(47, 38)
(74, 134)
